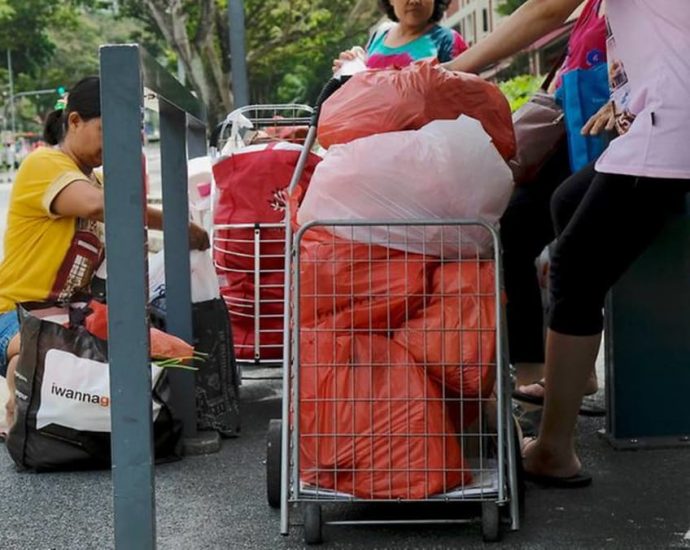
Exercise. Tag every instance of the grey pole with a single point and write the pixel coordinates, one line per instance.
(12, 111)
(176, 231)
(238, 53)
(127, 287)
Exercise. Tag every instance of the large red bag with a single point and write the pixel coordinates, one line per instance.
(251, 185)
(454, 337)
(375, 102)
(348, 285)
(372, 424)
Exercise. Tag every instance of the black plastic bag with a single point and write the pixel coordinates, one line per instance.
(63, 403)
(217, 378)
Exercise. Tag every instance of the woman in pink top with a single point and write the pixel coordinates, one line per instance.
(526, 228)
(606, 215)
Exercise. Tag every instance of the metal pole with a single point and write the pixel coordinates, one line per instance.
(12, 113)
(176, 231)
(128, 327)
(238, 54)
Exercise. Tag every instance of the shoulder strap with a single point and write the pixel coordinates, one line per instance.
(554, 69)
(378, 33)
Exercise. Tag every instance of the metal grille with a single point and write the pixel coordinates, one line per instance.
(252, 125)
(397, 374)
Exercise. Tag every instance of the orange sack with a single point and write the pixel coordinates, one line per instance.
(345, 284)
(163, 345)
(372, 424)
(375, 102)
(454, 337)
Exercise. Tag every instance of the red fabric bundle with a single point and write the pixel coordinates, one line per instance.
(454, 337)
(375, 102)
(251, 187)
(163, 345)
(346, 285)
(372, 424)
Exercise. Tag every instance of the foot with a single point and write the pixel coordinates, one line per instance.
(536, 389)
(9, 415)
(541, 460)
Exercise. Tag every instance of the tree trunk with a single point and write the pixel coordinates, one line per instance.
(198, 55)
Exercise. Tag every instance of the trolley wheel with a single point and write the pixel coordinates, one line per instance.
(312, 524)
(491, 522)
(273, 462)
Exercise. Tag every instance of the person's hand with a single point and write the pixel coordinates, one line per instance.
(198, 238)
(604, 119)
(348, 55)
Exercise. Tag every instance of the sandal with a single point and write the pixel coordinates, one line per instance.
(577, 481)
(588, 408)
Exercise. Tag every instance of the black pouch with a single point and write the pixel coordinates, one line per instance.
(217, 378)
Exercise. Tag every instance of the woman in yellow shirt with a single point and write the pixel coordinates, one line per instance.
(54, 236)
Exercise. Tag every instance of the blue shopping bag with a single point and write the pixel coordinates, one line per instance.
(582, 93)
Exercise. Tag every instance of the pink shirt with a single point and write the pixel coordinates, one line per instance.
(652, 42)
(587, 43)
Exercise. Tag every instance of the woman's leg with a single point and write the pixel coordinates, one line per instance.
(12, 360)
(601, 232)
(526, 228)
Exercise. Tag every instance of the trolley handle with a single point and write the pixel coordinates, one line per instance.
(332, 86)
(215, 135)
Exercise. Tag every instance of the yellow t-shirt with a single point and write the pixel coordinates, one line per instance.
(47, 257)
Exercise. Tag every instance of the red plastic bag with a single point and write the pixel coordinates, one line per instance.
(372, 424)
(454, 337)
(163, 345)
(252, 181)
(251, 187)
(375, 102)
(344, 284)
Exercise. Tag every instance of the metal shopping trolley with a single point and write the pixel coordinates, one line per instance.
(249, 253)
(395, 384)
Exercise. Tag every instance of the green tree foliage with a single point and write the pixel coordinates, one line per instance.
(506, 7)
(58, 45)
(519, 89)
(290, 43)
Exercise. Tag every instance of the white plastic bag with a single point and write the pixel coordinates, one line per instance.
(204, 281)
(156, 276)
(447, 170)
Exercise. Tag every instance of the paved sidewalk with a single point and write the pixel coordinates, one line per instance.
(638, 500)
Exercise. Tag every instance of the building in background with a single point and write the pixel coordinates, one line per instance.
(476, 19)
(473, 19)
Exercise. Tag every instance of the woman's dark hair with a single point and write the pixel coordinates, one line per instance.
(440, 7)
(84, 98)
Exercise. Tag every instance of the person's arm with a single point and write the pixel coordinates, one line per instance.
(81, 199)
(348, 55)
(534, 19)
(198, 238)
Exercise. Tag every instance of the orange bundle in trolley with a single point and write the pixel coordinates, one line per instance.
(397, 351)
(376, 102)
(372, 424)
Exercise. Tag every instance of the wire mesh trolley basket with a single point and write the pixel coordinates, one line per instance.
(254, 153)
(395, 381)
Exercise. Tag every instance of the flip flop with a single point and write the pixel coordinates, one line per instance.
(587, 408)
(529, 398)
(590, 407)
(576, 481)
